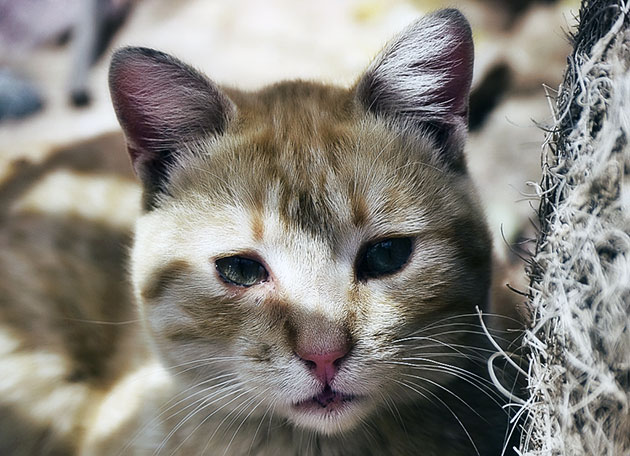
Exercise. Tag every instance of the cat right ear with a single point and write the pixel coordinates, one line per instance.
(162, 103)
(421, 81)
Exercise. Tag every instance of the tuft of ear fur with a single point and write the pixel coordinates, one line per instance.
(421, 81)
(162, 103)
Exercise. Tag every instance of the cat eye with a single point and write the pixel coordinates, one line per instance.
(241, 271)
(384, 257)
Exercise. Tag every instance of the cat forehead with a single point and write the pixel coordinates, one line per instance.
(303, 152)
(294, 100)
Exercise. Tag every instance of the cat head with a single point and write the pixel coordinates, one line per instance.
(300, 243)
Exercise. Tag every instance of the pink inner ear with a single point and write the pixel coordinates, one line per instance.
(456, 90)
(153, 103)
(161, 102)
(422, 79)
(424, 75)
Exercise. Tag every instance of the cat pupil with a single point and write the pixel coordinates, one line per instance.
(385, 257)
(241, 271)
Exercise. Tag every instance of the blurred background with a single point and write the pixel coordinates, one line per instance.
(57, 125)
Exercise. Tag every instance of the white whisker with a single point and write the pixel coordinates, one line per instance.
(413, 387)
(246, 417)
(206, 419)
(262, 419)
(156, 420)
(203, 403)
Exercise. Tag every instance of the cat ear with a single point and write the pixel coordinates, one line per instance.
(421, 80)
(162, 103)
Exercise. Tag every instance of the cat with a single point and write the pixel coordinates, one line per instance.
(310, 258)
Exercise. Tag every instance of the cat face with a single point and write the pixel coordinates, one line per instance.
(302, 244)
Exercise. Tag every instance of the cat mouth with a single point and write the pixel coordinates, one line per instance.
(326, 401)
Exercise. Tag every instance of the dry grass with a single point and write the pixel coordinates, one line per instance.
(579, 341)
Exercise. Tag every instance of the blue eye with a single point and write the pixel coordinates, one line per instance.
(384, 258)
(241, 271)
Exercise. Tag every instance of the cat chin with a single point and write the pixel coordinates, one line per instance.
(335, 416)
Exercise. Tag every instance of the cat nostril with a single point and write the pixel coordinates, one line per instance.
(324, 365)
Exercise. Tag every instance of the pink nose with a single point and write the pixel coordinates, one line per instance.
(323, 365)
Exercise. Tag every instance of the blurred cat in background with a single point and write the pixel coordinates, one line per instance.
(307, 269)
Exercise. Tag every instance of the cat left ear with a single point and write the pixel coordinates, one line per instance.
(421, 81)
(162, 103)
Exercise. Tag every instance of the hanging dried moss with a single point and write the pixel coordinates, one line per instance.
(579, 341)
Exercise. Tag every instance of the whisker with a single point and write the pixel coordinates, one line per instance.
(472, 316)
(202, 391)
(102, 322)
(273, 409)
(238, 409)
(201, 362)
(456, 396)
(437, 364)
(391, 406)
(441, 343)
(203, 403)
(262, 419)
(206, 419)
(156, 420)
(246, 418)
(468, 331)
(367, 431)
(514, 423)
(483, 385)
(455, 324)
(475, 350)
(413, 386)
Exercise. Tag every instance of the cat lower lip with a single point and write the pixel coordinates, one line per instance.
(326, 401)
